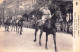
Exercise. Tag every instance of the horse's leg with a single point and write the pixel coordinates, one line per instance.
(40, 37)
(54, 38)
(16, 28)
(12, 28)
(5, 27)
(20, 30)
(36, 30)
(46, 40)
(8, 28)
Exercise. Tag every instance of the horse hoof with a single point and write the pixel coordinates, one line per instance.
(20, 34)
(34, 40)
(40, 44)
(56, 51)
(46, 48)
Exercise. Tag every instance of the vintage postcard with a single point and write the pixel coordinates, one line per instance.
(39, 26)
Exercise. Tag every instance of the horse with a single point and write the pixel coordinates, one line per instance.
(48, 29)
(14, 24)
(7, 23)
(20, 25)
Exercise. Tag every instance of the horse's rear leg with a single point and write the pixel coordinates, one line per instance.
(12, 28)
(54, 38)
(36, 30)
(8, 28)
(20, 30)
(46, 40)
(5, 28)
(16, 28)
(40, 37)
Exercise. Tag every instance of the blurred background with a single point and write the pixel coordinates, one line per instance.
(14, 9)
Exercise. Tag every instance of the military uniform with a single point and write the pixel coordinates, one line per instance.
(46, 14)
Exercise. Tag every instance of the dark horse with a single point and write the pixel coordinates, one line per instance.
(20, 25)
(7, 24)
(51, 29)
(14, 25)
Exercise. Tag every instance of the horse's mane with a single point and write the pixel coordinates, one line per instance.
(37, 14)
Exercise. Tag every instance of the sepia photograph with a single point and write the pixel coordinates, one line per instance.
(36, 25)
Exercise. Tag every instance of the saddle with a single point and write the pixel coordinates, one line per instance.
(46, 24)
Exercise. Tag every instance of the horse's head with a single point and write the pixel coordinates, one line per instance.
(37, 14)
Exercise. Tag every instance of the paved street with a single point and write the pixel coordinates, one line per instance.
(13, 42)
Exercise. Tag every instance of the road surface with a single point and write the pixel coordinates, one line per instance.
(13, 42)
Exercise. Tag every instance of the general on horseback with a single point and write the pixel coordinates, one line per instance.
(46, 24)
(46, 15)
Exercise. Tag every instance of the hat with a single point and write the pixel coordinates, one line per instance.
(46, 5)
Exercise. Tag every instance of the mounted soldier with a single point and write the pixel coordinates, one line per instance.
(46, 15)
(46, 24)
